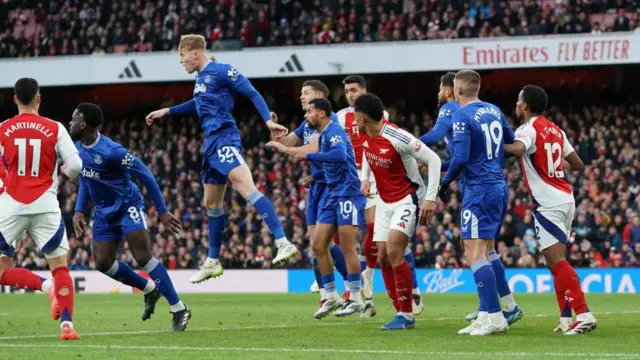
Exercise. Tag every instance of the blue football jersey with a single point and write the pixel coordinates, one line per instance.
(340, 172)
(305, 133)
(484, 129)
(214, 97)
(445, 116)
(106, 178)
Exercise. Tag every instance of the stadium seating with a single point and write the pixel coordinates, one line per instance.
(39, 28)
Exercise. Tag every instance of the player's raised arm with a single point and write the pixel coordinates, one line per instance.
(231, 76)
(68, 153)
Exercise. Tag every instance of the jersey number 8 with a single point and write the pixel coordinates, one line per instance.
(492, 137)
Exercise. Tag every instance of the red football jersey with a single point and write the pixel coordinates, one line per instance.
(546, 146)
(391, 157)
(347, 118)
(31, 145)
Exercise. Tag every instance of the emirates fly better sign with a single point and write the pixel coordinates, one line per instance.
(323, 60)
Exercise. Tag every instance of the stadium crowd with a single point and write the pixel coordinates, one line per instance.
(32, 28)
(606, 230)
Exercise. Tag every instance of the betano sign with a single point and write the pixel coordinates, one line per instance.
(394, 57)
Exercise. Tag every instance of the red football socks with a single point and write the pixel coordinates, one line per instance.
(63, 285)
(404, 282)
(567, 286)
(21, 278)
(370, 248)
(390, 284)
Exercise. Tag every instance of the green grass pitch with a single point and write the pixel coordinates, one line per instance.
(281, 326)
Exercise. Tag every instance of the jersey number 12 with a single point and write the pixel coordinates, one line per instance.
(552, 166)
(36, 145)
(493, 138)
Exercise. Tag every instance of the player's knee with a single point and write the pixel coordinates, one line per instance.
(104, 264)
(395, 254)
(142, 259)
(319, 249)
(212, 203)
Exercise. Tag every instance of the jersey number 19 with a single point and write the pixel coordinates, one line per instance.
(36, 145)
(493, 138)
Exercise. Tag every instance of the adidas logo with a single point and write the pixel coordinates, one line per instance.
(131, 71)
(289, 65)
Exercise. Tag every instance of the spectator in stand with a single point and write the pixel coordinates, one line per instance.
(40, 28)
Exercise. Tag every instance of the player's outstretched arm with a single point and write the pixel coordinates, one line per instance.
(232, 77)
(186, 108)
(436, 134)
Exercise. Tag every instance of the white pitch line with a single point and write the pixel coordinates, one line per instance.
(328, 351)
(144, 332)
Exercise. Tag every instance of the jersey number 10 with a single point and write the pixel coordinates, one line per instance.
(492, 138)
(36, 145)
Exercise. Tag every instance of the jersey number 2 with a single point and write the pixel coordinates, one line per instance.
(492, 137)
(552, 166)
(36, 145)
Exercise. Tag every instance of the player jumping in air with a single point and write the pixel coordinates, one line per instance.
(545, 153)
(343, 210)
(21, 278)
(119, 212)
(354, 87)
(479, 133)
(213, 98)
(443, 129)
(305, 139)
(390, 154)
(31, 146)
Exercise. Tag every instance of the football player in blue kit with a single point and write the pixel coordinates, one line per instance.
(342, 211)
(443, 129)
(480, 130)
(119, 212)
(305, 139)
(213, 100)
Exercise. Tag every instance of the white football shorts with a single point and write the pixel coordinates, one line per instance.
(401, 215)
(553, 224)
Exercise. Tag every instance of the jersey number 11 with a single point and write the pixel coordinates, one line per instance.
(36, 144)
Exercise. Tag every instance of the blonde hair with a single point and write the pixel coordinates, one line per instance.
(192, 42)
(470, 82)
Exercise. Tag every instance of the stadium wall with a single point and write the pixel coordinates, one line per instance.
(618, 281)
(302, 61)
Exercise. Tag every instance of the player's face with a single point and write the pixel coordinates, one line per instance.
(312, 116)
(352, 92)
(520, 106)
(444, 94)
(307, 94)
(76, 125)
(188, 59)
